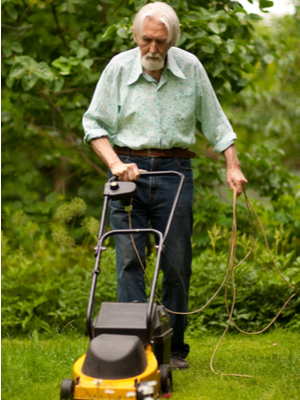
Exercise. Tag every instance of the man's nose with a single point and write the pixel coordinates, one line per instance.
(153, 48)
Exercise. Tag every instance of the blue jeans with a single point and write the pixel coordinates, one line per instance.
(152, 204)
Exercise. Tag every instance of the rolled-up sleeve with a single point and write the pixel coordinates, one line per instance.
(215, 125)
(101, 118)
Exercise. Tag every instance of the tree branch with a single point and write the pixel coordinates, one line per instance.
(104, 13)
(120, 5)
(71, 141)
(48, 99)
(22, 16)
(9, 27)
(100, 58)
(58, 27)
(68, 91)
(92, 164)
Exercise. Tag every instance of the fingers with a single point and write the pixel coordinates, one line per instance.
(238, 187)
(126, 172)
(236, 181)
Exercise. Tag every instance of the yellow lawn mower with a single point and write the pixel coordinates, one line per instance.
(129, 350)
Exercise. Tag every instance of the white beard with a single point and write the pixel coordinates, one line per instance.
(153, 62)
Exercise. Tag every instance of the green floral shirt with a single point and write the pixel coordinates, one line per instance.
(136, 111)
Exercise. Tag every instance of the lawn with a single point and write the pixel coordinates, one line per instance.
(33, 368)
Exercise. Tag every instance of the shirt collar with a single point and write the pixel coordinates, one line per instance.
(137, 69)
(173, 66)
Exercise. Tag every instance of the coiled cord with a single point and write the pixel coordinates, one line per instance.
(229, 277)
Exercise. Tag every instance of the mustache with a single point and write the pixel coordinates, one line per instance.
(154, 56)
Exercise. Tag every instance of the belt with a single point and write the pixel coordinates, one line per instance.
(175, 152)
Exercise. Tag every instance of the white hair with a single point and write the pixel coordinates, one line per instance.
(161, 12)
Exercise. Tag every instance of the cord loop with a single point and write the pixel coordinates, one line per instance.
(229, 276)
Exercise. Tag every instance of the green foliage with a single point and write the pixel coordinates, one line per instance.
(52, 56)
(46, 284)
(273, 109)
(221, 37)
(51, 290)
(268, 178)
(260, 290)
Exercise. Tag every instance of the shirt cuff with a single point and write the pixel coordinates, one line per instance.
(97, 133)
(226, 142)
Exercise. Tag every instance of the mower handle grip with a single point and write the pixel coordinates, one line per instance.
(115, 178)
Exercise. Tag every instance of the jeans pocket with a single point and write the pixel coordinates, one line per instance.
(184, 164)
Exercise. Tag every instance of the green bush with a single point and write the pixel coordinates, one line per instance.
(50, 289)
(46, 285)
(46, 273)
(260, 292)
(53, 54)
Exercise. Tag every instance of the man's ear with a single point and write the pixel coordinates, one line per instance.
(133, 34)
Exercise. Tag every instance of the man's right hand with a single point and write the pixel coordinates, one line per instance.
(125, 172)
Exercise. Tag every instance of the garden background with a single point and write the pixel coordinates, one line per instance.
(53, 53)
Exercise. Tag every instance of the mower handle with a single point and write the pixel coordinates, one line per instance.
(102, 235)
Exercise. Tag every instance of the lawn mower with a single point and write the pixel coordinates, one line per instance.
(129, 350)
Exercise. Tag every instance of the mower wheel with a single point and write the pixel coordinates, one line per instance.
(166, 378)
(67, 389)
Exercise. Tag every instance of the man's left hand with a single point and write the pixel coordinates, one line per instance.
(236, 180)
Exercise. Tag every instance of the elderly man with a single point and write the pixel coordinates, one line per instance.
(142, 117)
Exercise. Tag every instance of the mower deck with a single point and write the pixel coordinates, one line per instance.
(90, 388)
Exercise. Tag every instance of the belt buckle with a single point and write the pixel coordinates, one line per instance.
(149, 152)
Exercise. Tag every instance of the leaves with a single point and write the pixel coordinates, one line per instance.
(11, 11)
(58, 84)
(139, 4)
(53, 55)
(230, 45)
(193, 16)
(43, 71)
(68, 211)
(17, 71)
(16, 47)
(52, 59)
(268, 58)
(218, 68)
(27, 69)
(217, 28)
(265, 4)
(28, 81)
(109, 32)
(122, 32)
(208, 48)
(216, 39)
(65, 64)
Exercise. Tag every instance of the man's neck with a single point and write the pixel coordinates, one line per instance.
(155, 74)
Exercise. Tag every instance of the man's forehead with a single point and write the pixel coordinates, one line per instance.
(154, 28)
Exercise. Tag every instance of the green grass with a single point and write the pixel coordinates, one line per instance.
(33, 368)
